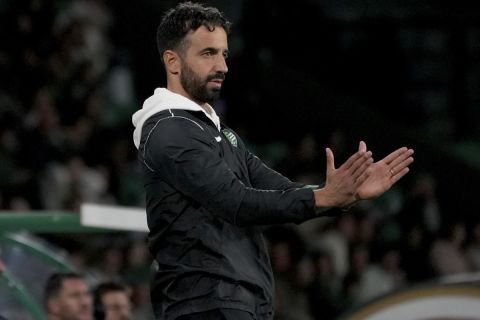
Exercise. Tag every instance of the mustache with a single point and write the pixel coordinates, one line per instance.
(216, 76)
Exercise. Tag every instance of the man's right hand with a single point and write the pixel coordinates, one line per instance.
(341, 184)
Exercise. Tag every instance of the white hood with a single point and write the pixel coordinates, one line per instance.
(164, 99)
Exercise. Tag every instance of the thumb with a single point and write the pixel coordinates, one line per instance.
(330, 160)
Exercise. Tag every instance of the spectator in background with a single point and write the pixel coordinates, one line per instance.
(69, 184)
(137, 273)
(335, 242)
(473, 247)
(415, 247)
(382, 277)
(324, 290)
(350, 290)
(2, 265)
(112, 302)
(68, 297)
(359, 259)
(292, 273)
(448, 254)
(108, 261)
(421, 206)
(2, 270)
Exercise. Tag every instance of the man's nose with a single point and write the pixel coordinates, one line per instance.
(221, 64)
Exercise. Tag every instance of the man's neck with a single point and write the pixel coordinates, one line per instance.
(205, 106)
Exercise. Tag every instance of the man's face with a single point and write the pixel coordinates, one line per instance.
(117, 305)
(203, 66)
(73, 302)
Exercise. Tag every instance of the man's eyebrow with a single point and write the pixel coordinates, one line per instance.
(210, 49)
(213, 49)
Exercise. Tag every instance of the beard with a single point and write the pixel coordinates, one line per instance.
(196, 87)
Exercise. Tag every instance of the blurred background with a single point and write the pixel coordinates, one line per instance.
(302, 75)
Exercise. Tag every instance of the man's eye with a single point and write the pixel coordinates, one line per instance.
(208, 53)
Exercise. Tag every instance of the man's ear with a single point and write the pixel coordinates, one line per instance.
(171, 61)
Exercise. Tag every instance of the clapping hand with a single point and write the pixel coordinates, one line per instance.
(360, 178)
(383, 174)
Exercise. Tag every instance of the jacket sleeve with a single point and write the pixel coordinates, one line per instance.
(183, 155)
(263, 177)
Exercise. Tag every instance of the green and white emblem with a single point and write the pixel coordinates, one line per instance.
(230, 136)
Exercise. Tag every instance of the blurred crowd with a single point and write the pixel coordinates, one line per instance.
(66, 100)
(67, 93)
(66, 103)
(328, 266)
(68, 296)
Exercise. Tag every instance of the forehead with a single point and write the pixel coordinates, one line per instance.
(204, 38)
(115, 297)
(73, 284)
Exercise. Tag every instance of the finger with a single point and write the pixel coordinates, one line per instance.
(361, 169)
(394, 155)
(366, 158)
(362, 146)
(330, 161)
(405, 163)
(362, 178)
(356, 160)
(399, 175)
(400, 158)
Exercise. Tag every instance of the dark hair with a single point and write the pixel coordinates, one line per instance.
(55, 283)
(100, 290)
(186, 17)
(110, 286)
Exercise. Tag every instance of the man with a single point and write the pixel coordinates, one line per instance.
(68, 297)
(112, 302)
(208, 196)
(3, 268)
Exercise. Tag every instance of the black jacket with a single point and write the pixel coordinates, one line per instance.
(207, 197)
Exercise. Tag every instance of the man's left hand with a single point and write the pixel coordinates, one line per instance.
(383, 174)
